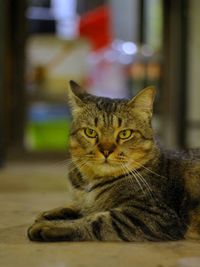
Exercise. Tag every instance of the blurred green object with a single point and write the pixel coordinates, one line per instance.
(47, 129)
(50, 135)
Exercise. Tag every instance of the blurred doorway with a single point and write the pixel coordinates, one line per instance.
(155, 53)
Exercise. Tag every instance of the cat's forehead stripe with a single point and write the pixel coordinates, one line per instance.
(107, 115)
(107, 120)
(96, 122)
(115, 121)
(104, 118)
(107, 106)
(119, 122)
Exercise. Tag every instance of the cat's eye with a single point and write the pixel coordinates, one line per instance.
(90, 133)
(125, 134)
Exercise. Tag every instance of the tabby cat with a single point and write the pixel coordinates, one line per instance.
(125, 186)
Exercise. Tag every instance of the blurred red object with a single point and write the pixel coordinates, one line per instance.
(95, 25)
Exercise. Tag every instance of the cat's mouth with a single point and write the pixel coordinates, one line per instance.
(105, 161)
(110, 162)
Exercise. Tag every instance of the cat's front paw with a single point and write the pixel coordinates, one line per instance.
(39, 231)
(49, 231)
(63, 213)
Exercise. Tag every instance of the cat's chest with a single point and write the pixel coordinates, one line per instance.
(92, 201)
(89, 200)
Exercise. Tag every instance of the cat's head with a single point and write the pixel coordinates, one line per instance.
(110, 137)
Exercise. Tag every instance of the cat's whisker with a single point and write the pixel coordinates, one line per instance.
(62, 161)
(67, 165)
(139, 177)
(61, 164)
(146, 184)
(141, 165)
(81, 164)
(75, 163)
(123, 169)
(71, 164)
(136, 178)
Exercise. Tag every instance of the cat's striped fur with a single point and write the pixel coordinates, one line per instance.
(124, 190)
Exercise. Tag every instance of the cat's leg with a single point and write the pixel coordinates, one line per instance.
(114, 225)
(70, 212)
(93, 227)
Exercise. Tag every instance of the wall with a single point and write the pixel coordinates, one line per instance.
(125, 19)
(193, 116)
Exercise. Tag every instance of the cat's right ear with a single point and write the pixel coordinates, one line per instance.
(143, 101)
(73, 96)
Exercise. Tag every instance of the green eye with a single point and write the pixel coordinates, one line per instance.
(125, 134)
(90, 133)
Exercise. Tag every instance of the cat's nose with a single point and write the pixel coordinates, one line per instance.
(106, 149)
(106, 153)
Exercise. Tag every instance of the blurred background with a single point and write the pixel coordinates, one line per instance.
(113, 48)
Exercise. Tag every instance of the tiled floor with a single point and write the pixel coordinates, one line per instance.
(26, 190)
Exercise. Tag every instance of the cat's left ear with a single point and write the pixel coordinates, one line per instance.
(74, 96)
(144, 100)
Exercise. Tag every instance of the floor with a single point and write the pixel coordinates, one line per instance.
(27, 189)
